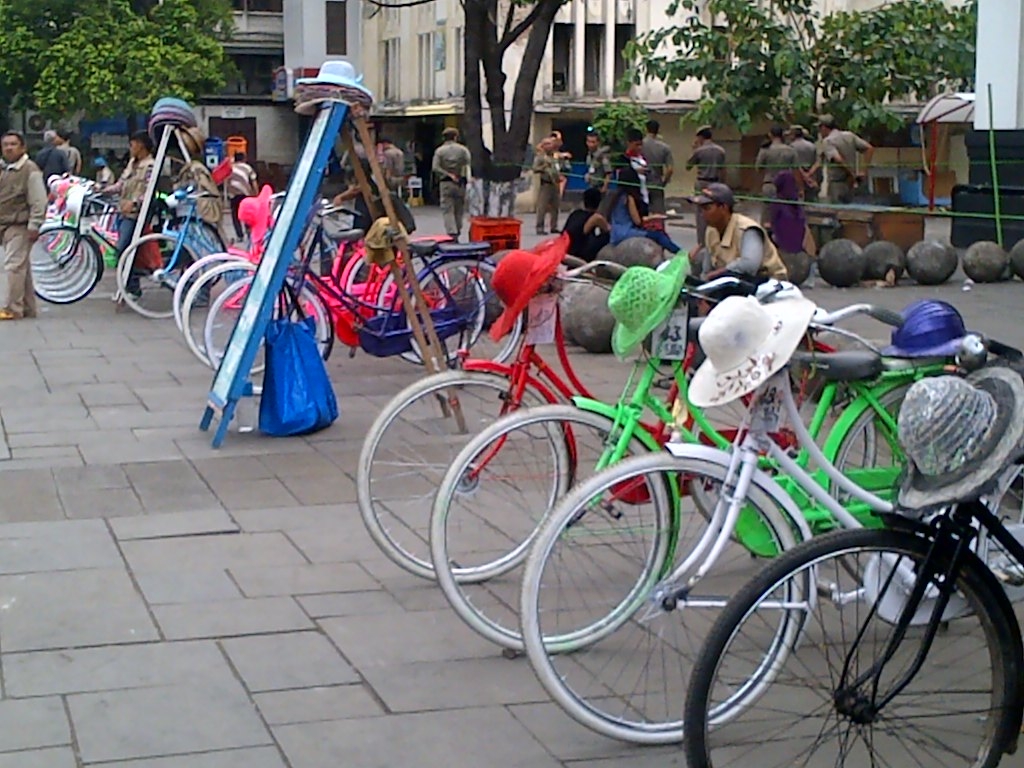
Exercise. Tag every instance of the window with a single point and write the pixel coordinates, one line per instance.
(440, 50)
(426, 68)
(391, 56)
(458, 76)
(593, 59)
(624, 33)
(561, 54)
(258, 6)
(254, 75)
(337, 27)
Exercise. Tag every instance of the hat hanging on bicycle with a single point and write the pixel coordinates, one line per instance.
(641, 300)
(930, 329)
(959, 435)
(746, 342)
(518, 277)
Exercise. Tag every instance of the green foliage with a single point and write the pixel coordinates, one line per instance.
(613, 118)
(783, 60)
(110, 56)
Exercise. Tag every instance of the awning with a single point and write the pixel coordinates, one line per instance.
(417, 110)
(948, 108)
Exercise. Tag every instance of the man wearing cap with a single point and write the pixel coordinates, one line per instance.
(393, 164)
(806, 155)
(451, 166)
(709, 158)
(659, 159)
(734, 243)
(777, 156)
(839, 150)
(599, 163)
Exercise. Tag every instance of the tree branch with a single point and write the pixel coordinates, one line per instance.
(513, 34)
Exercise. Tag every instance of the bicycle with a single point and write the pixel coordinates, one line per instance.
(922, 642)
(654, 564)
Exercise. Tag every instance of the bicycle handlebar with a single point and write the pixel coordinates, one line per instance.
(611, 266)
(883, 315)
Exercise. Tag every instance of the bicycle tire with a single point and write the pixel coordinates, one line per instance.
(225, 267)
(606, 700)
(190, 275)
(976, 585)
(563, 429)
(70, 278)
(125, 264)
(413, 555)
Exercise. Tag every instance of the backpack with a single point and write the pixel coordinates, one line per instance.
(195, 174)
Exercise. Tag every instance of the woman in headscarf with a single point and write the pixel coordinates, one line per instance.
(788, 221)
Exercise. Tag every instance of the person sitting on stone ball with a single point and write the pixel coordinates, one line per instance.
(626, 220)
(735, 244)
(588, 230)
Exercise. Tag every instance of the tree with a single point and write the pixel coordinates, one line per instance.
(613, 118)
(783, 60)
(491, 29)
(109, 56)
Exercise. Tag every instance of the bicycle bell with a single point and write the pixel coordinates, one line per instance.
(973, 352)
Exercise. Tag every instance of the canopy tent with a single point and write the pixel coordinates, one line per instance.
(944, 109)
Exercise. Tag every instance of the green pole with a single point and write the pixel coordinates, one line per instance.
(995, 171)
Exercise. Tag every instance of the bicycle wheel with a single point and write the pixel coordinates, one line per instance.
(201, 295)
(408, 450)
(756, 699)
(463, 284)
(609, 636)
(223, 315)
(66, 267)
(147, 290)
(495, 495)
(189, 277)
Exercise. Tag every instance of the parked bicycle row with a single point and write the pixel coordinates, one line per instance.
(731, 536)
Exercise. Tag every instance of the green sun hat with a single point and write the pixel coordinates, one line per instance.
(641, 300)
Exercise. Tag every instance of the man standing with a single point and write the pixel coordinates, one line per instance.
(51, 161)
(451, 166)
(709, 158)
(806, 155)
(63, 143)
(241, 184)
(736, 244)
(839, 150)
(777, 156)
(599, 163)
(132, 190)
(22, 210)
(393, 165)
(659, 159)
(547, 169)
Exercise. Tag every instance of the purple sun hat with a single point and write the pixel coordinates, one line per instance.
(930, 329)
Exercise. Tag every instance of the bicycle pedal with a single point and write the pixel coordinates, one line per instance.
(664, 383)
(1009, 573)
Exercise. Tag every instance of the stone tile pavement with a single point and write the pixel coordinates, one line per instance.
(167, 605)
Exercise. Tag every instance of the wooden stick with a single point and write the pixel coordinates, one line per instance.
(357, 167)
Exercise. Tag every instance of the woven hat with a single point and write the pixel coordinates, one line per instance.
(518, 277)
(379, 241)
(746, 342)
(930, 329)
(194, 141)
(959, 435)
(641, 300)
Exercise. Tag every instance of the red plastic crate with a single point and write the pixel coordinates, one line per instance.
(503, 234)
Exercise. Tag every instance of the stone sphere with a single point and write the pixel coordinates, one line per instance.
(931, 262)
(586, 319)
(1017, 259)
(798, 265)
(882, 256)
(841, 263)
(986, 262)
(635, 251)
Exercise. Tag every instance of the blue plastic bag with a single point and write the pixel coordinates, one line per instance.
(297, 394)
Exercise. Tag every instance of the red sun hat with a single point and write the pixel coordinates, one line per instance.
(518, 277)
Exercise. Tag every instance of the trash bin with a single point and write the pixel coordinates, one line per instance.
(237, 144)
(213, 152)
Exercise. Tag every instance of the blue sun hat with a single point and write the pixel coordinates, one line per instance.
(930, 329)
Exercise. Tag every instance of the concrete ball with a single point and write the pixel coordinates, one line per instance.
(841, 263)
(1017, 259)
(881, 257)
(986, 262)
(586, 319)
(798, 265)
(638, 251)
(931, 262)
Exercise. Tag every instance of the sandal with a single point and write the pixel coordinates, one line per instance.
(6, 314)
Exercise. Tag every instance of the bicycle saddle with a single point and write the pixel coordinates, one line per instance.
(349, 236)
(423, 248)
(846, 365)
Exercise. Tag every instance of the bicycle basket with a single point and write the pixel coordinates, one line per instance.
(388, 334)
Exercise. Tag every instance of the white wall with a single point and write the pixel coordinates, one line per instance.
(276, 129)
(305, 39)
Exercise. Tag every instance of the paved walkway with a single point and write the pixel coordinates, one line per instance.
(166, 605)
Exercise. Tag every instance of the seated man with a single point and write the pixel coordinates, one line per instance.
(588, 230)
(734, 243)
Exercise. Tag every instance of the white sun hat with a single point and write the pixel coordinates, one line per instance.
(745, 343)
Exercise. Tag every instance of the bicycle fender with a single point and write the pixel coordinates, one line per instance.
(762, 479)
(609, 411)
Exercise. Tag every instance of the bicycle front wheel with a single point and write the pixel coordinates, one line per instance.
(495, 495)
(408, 450)
(148, 273)
(610, 634)
(790, 677)
(66, 267)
